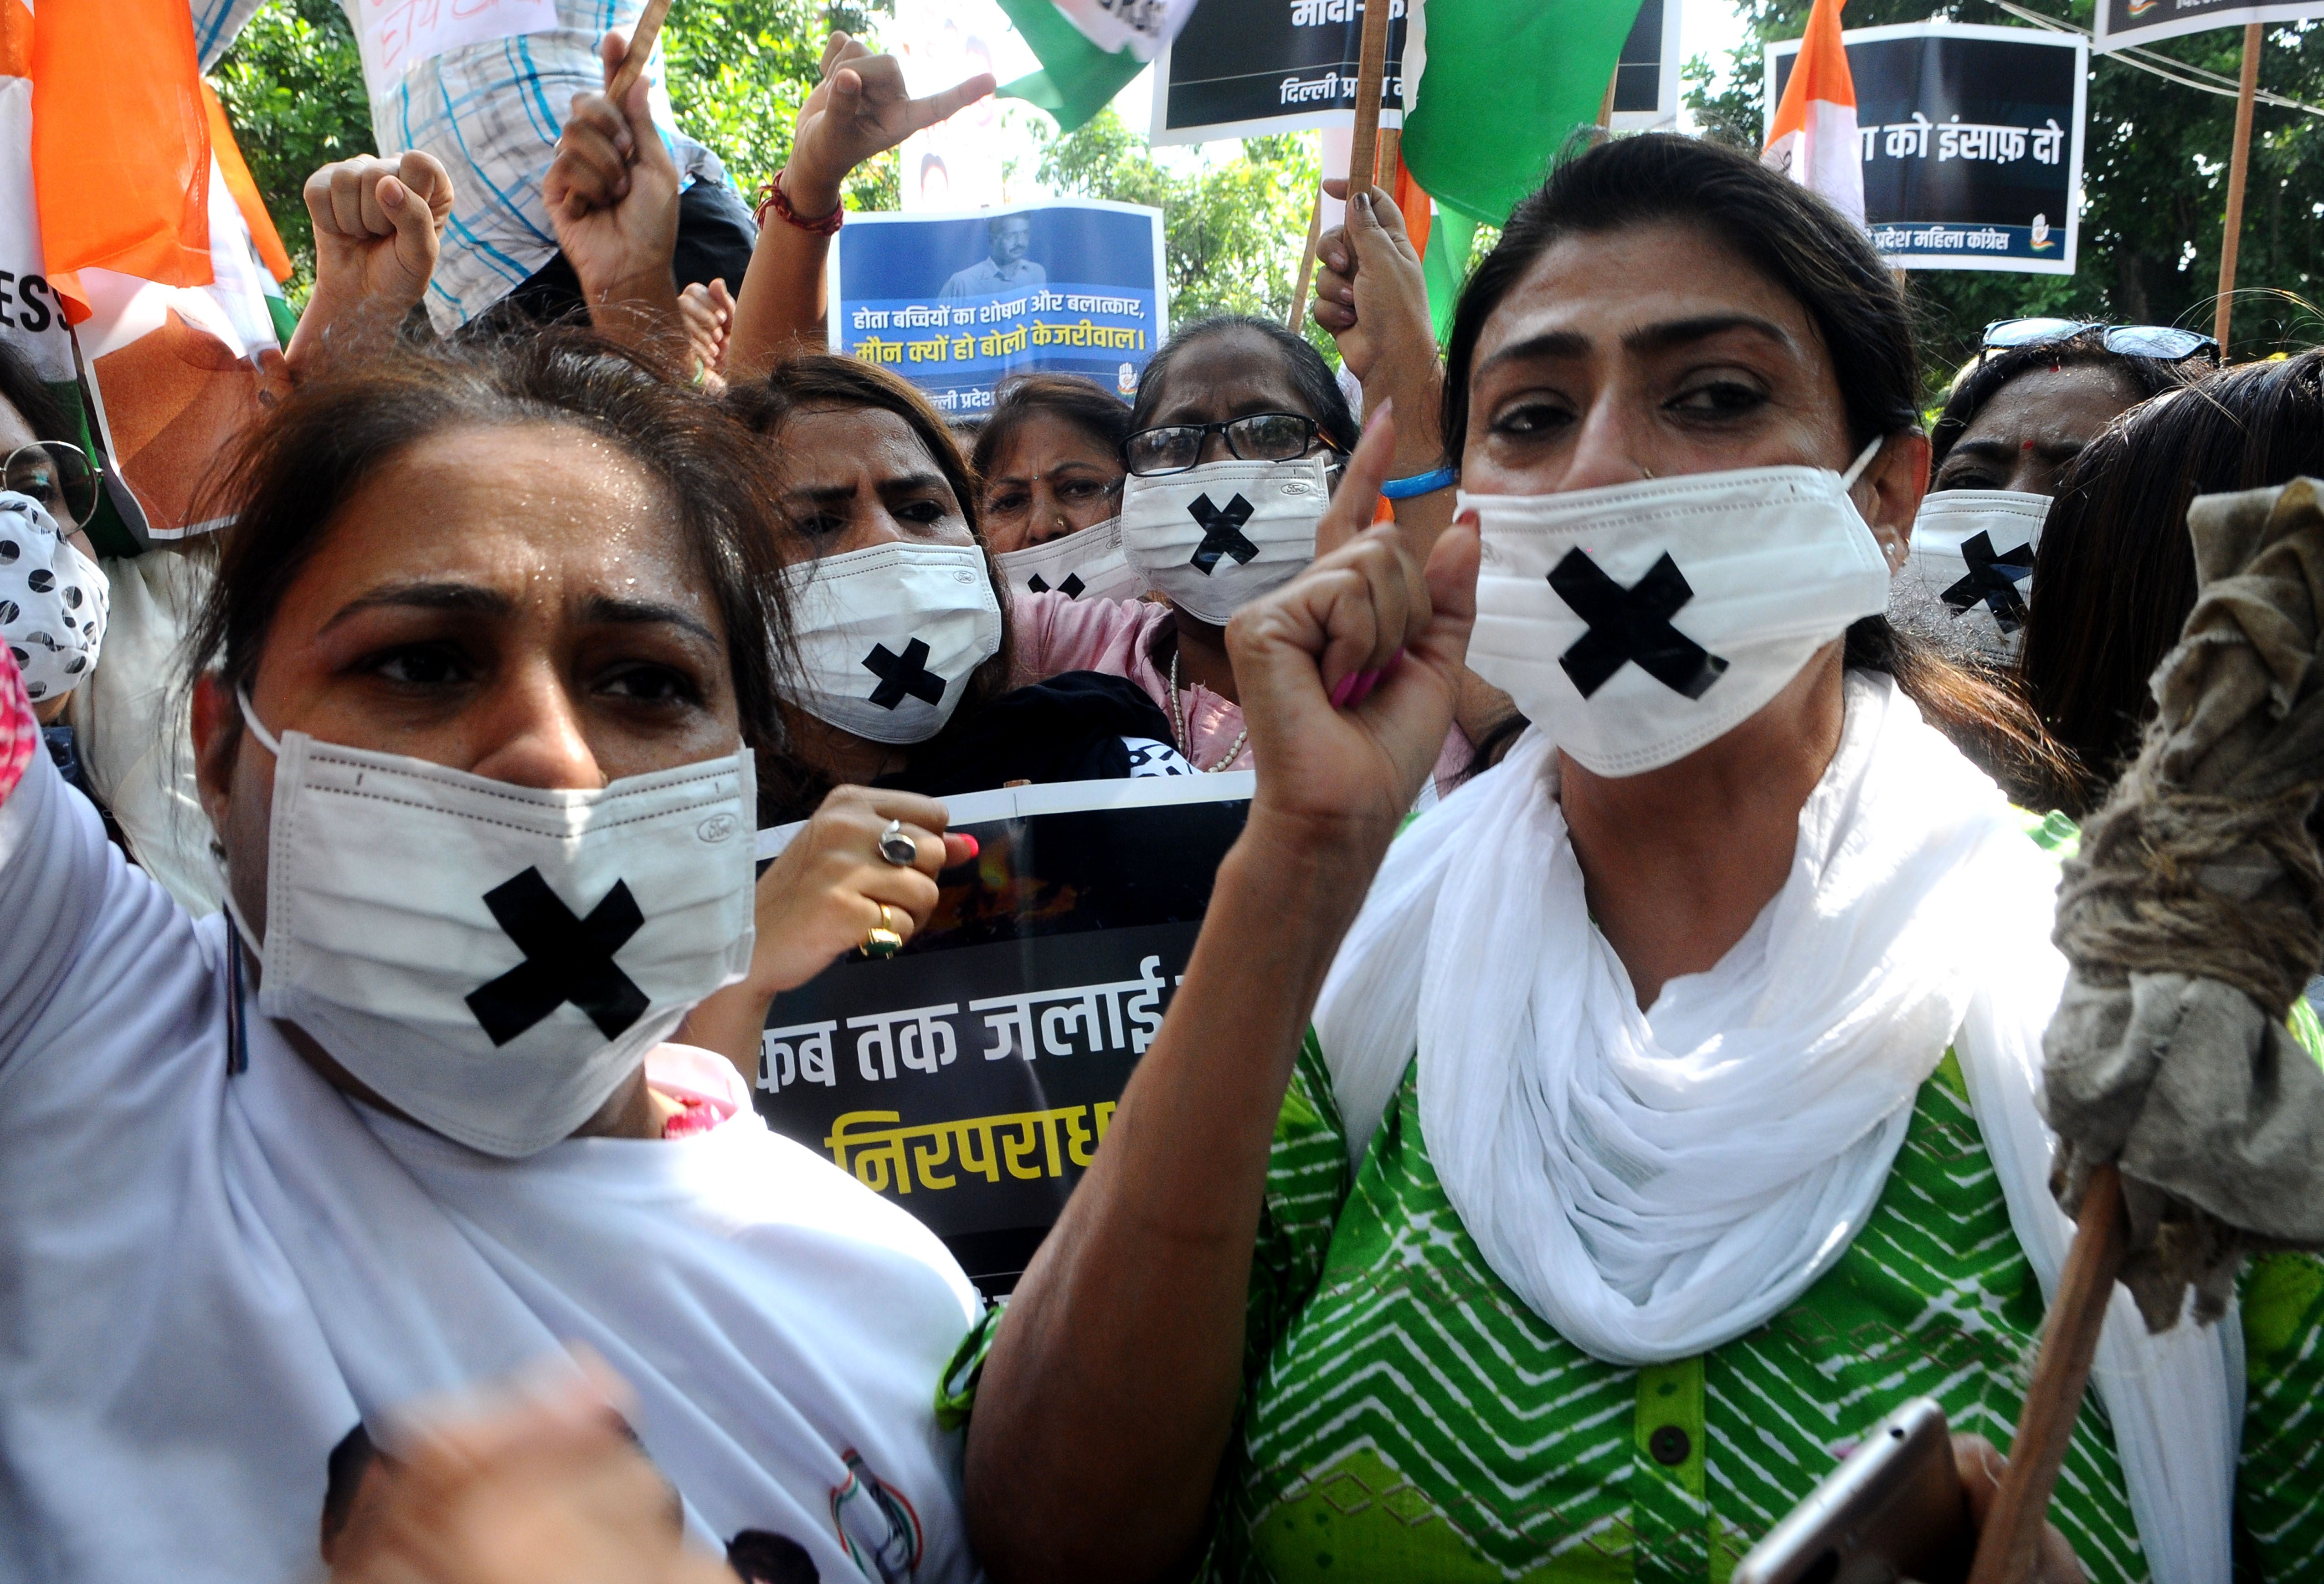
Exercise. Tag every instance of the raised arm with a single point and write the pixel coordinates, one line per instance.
(612, 196)
(859, 109)
(379, 225)
(1109, 1392)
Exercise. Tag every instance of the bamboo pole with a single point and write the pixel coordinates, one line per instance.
(1606, 105)
(641, 43)
(2010, 1544)
(2238, 169)
(1297, 317)
(1371, 70)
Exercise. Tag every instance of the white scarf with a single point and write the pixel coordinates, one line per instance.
(1652, 1203)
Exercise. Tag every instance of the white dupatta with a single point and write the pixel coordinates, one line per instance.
(1651, 1203)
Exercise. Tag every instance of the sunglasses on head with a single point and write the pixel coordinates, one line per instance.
(2163, 342)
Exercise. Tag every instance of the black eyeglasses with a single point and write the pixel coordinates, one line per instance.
(55, 474)
(2163, 343)
(1263, 437)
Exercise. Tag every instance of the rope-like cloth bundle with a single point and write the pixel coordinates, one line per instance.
(2192, 919)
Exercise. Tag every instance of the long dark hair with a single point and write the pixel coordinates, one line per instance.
(813, 382)
(294, 470)
(2148, 376)
(1801, 243)
(2115, 576)
(1311, 376)
(22, 388)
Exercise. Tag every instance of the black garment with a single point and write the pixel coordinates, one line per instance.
(715, 235)
(1069, 728)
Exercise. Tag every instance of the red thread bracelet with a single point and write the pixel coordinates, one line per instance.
(781, 205)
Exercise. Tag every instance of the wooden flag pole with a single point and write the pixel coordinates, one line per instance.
(1371, 70)
(2238, 169)
(1298, 315)
(2011, 1543)
(641, 43)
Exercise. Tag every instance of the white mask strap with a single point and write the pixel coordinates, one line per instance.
(1863, 460)
(250, 718)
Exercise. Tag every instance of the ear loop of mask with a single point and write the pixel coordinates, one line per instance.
(1863, 460)
(237, 930)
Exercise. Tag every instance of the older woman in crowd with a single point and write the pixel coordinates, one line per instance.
(1667, 1111)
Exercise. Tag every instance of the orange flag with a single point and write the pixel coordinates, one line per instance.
(1813, 135)
(239, 182)
(121, 142)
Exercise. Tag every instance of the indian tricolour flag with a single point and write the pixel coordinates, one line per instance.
(129, 228)
(1813, 136)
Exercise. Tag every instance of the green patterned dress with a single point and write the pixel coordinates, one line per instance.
(1407, 1418)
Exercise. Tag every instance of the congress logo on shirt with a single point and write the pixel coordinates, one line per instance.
(876, 1524)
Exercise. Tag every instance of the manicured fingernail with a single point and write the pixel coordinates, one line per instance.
(970, 842)
(1346, 689)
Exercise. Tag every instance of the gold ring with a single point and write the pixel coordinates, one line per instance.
(881, 942)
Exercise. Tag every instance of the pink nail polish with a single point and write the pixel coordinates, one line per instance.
(1347, 688)
(971, 841)
(1365, 681)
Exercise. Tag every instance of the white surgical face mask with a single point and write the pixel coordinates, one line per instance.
(1086, 565)
(1970, 567)
(889, 636)
(492, 960)
(53, 599)
(1217, 537)
(1637, 622)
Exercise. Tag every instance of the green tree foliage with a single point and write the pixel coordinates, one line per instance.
(292, 86)
(1232, 230)
(2155, 177)
(739, 70)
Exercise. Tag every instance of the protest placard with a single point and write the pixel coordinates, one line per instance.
(1646, 79)
(972, 1077)
(1245, 68)
(1972, 142)
(393, 35)
(956, 302)
(2124, 22)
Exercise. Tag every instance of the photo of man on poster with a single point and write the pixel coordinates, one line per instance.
(1004, 267)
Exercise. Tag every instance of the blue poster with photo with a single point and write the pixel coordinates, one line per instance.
(956, 303)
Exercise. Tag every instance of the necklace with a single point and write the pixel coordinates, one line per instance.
(1186, 742)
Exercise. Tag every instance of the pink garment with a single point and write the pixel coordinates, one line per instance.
(1056, 633)
(702, 1082)
(20, 729)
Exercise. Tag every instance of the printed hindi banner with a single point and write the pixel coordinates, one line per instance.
(972, 1077)
(1972, 142)
(956, 302)
(1246, 68)
(2122, 23)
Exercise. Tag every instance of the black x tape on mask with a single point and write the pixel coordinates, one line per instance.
(1637, 622)
(1217, 537)
(494, 960)
(888, 637)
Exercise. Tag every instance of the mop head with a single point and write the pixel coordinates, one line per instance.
(2192, 919)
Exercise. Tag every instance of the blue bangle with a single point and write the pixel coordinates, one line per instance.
(1419, 483)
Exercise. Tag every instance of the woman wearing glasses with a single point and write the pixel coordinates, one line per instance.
(1236, 444)
(2041, 390)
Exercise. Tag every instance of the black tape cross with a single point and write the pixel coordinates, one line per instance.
(565, 959)
(1993, 579)
(1631, 624)
(1221, 533)
(902, 674)
(1071, 588)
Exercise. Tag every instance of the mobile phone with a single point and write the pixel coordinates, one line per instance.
(1893, 1511)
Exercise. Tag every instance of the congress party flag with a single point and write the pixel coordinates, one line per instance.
(1813, 136)
(1089, 49)
(1494, 88)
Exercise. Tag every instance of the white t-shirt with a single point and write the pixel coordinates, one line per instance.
(208, 1278)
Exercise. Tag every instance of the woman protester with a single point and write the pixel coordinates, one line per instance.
(479, 692)
(2115, 573)
(1048, 461)
(1236, 447)
(1667, 1113)
(2040, 391)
